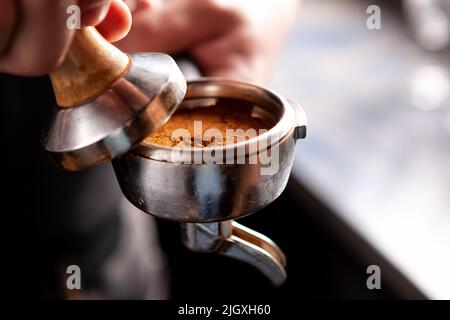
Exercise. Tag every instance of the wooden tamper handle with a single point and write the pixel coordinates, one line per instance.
(90, 67)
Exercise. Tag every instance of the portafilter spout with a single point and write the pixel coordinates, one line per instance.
(233, 240)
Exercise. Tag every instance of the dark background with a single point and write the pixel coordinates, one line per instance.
(319, 266)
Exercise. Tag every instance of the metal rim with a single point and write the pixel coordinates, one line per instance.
(223, 88)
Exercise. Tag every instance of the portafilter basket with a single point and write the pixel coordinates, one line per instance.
(206, 197)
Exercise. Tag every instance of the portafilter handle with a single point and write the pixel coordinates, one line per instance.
(232, 239)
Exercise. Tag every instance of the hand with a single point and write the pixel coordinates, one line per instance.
(33, 34)
(229, 38)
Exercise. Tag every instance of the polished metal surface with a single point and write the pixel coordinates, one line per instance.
(110, 125)
(155, 181)
(206, 197)
(233, 240)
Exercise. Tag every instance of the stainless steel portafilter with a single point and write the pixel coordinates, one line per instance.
(207, 197)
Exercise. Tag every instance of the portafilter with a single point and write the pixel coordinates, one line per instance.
(206, 196)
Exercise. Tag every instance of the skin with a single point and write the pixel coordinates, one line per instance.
(226, 38)
(35, 39)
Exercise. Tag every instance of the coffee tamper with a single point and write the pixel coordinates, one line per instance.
(107, 101)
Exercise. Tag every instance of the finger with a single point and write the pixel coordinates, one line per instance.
(173, 26)
(132, 4)
(136, 5)
(40, 38)
(117, 22)
(234, 56)
(93, 11)
(240, 70)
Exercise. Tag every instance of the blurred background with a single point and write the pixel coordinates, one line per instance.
(371, 183)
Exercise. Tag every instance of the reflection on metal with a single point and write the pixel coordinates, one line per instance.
(206, 198)
(111, 124)
(232, 239)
